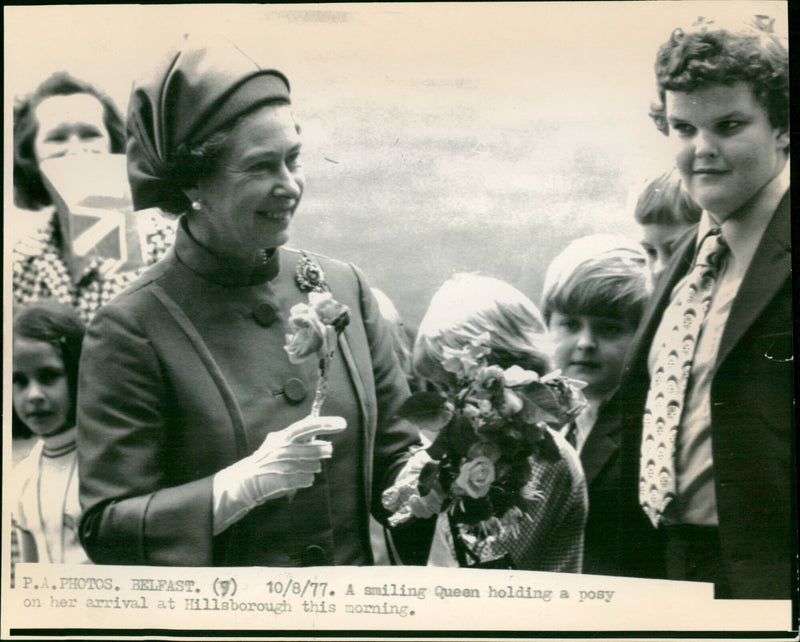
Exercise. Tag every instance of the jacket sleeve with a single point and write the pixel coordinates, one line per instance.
(552, 539)
(132, 512)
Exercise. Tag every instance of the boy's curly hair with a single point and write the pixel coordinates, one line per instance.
(710, 53)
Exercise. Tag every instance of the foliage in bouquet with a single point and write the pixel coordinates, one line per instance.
(495, 420)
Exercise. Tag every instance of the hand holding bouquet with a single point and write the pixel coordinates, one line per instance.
(478, 468)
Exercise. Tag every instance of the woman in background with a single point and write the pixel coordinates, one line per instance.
(65, 116)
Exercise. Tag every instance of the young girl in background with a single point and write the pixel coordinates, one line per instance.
(508, 489)
(46, 513)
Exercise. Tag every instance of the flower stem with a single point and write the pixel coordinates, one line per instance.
(322, 384)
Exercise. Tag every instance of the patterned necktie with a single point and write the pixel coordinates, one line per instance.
(673, 365)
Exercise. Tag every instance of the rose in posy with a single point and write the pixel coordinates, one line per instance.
(475, 477)
(308, 334)
(490, 380)
(329, 310)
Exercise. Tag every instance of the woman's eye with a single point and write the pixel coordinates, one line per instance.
(262, 166)
(90, 134)
(19, 379)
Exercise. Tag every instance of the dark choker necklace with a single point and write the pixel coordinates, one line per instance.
(58, 451)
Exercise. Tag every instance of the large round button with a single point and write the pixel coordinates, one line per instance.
(264, 314)
(295, 390)
(314, 556)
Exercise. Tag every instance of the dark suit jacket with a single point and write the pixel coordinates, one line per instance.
(601, 466)
(185, 374)
(752, 418)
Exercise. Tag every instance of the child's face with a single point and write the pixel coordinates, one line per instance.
(40, 388)
(658, 242)
(727, 148)
(591, 349)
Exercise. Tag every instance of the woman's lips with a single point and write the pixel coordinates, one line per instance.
(277, 215)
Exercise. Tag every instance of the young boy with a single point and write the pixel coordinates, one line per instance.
(665, 213)
(713, 458)
(593, 297)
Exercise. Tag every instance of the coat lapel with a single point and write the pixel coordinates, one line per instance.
(769, 269)
(603, 442)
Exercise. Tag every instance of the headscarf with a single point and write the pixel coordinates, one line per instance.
(195, 92)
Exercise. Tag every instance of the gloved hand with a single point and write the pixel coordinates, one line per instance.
(285, 462)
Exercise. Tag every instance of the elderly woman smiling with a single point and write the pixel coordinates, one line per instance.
(196, 442)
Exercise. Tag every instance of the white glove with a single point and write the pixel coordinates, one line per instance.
(284, 463)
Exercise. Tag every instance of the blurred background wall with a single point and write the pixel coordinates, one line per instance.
(437, 137)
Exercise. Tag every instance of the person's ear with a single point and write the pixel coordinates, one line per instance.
(782, 139)
(192, 192)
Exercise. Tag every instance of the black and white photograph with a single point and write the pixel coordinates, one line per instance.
(422, 320)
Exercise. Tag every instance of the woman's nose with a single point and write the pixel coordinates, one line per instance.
(75, 145)
(288, 185)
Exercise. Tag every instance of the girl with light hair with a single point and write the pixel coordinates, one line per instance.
(506, 489)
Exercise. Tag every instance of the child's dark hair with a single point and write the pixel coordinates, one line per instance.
(663, 201)
(601, 275)
(709, 53)
(59, 325)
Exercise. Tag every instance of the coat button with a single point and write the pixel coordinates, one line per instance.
(314, 556)
(294, 390)
(264, 314)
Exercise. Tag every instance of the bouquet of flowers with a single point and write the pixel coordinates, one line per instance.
(479, 465)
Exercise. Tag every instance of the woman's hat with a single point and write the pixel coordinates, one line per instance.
(195, 92)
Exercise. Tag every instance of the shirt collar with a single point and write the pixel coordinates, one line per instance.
(201, 260)
(744, 233)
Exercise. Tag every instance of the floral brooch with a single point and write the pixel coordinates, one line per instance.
(309, 275)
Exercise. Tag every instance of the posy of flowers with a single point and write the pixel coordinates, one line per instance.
(315, 326)
(480, 468)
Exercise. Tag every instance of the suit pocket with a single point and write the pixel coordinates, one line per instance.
(777, 348)
(772, 377)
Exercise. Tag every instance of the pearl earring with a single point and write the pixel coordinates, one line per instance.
(197, 205)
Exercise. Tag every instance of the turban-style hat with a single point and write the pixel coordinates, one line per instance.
(196, 91)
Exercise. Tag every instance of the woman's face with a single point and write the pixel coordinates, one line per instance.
(40, 390)
(249, 202)
(70, 124)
